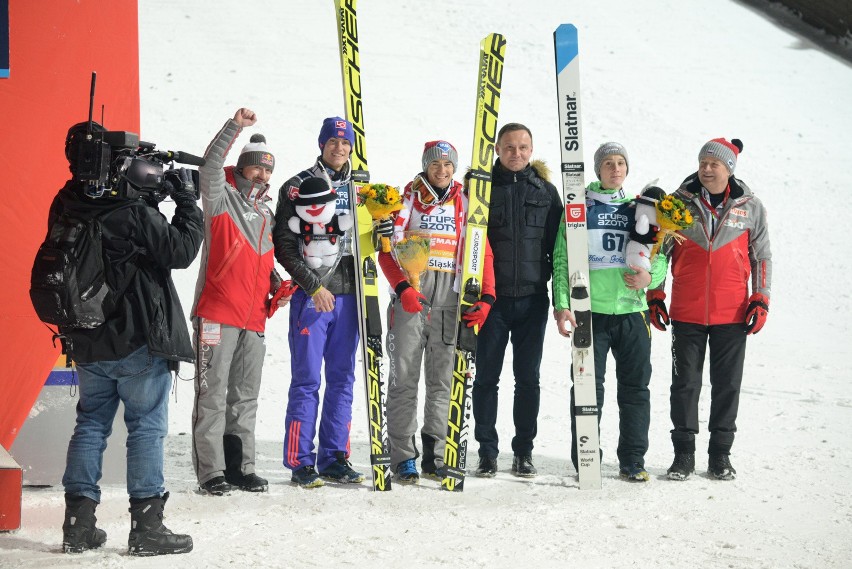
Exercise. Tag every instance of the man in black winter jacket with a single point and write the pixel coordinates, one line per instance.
(130, 357)
(522, 226)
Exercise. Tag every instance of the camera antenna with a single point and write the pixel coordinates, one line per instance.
(91, 104)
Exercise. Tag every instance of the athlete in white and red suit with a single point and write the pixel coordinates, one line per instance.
(424, 322)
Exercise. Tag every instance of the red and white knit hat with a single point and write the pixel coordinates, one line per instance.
(722, 150)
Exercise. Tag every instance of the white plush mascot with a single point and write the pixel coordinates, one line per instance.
(317, 224)
(642, 238)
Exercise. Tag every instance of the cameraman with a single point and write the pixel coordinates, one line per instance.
(130, 357)
(232, 303)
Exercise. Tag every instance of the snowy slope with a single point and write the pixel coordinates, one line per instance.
(661, 77)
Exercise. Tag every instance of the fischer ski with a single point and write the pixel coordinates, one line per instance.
(366, 273)
(574, 197)
(489, 81)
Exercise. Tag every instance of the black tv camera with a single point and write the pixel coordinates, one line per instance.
(118, 164)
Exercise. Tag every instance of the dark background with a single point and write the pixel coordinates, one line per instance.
(827, 23)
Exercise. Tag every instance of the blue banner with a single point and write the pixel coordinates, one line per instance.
(4, 39)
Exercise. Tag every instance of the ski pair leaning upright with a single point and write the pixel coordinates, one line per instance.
(492, 52)
(585, 409)
(366, 273)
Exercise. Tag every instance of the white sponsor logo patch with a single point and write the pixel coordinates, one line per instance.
(477, 250)
(211, 333)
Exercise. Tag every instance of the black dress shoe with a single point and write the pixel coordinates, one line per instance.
(487, 467)
(248, 482)
(522, 466)
(217, 486)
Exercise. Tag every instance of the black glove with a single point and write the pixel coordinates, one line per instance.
(382, 233)
(384, 227)
(179, 185)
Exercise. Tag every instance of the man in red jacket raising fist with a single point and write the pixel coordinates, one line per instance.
(232, 302)
(726, 247)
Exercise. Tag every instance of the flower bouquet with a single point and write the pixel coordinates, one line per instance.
(411, 252)
(381, 200)
(672, 216)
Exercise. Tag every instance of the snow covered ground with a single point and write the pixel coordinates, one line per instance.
(661, 77)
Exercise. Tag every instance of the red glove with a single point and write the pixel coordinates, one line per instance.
(286, 290)
(756, 313)
(412, 300)
(657, 309)
(476, 314)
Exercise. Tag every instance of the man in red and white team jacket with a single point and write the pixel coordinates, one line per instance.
(723, 254)
(232, 302)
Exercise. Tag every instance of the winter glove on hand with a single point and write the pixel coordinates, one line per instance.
(756, 313)
(382, 233)
(178, 183)
(286, 290)
(411, 299)
(476, 314)
(384, 227)
(657, 309)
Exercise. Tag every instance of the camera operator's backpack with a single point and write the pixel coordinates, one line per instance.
(68, 285)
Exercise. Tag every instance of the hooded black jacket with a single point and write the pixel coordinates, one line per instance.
(522, 225)
(141, 247)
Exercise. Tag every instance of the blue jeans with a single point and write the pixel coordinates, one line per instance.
(142, 382)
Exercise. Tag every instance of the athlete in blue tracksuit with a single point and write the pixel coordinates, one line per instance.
(323, 323)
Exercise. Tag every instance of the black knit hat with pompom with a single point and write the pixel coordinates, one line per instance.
(255, 153)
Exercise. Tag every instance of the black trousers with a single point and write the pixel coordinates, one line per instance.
(628, 337)
(727, 354)
(523, 319)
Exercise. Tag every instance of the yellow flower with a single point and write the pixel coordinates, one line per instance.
(676, 215)
(412, 254)
(666, 204)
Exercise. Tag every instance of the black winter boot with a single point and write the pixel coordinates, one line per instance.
(78, 531)
(427, 462)
(148, 535)
(719, 467)
(682, 467)
(233, 446)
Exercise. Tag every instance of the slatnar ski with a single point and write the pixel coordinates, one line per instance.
(574, 198)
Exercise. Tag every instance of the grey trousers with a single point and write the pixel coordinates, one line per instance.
(227, 382)
(410, 337)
